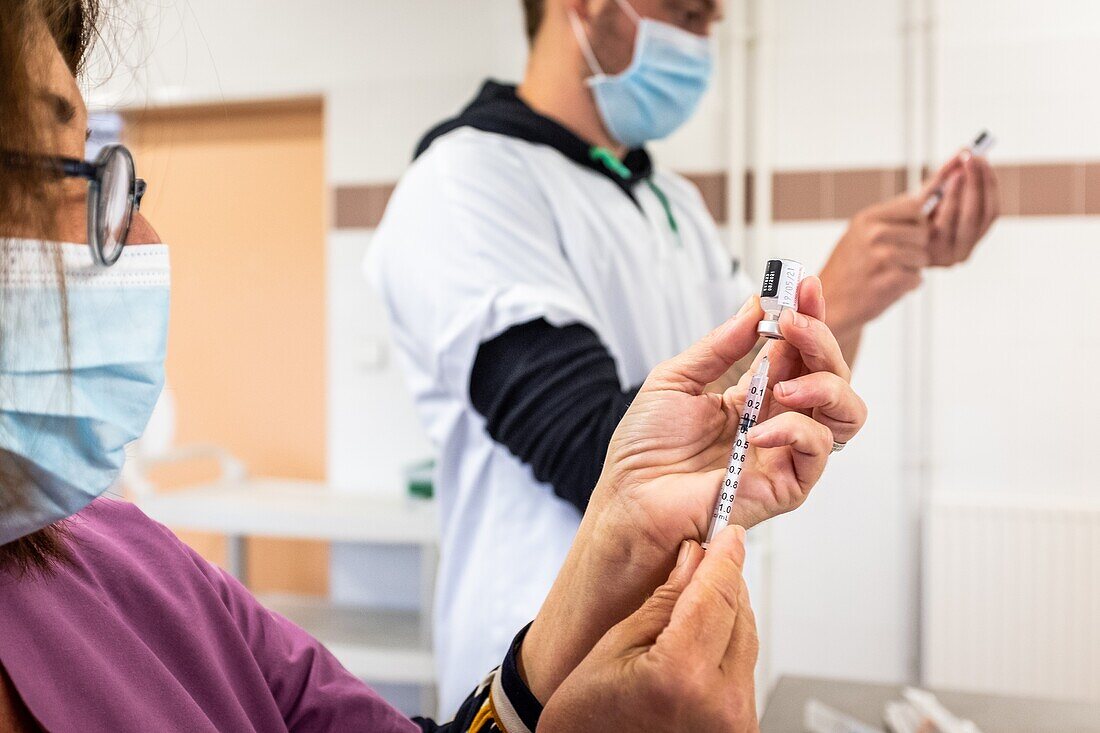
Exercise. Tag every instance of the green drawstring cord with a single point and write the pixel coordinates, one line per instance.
(609, 160)
(668, 210)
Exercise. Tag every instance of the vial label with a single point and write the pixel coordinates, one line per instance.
(789, 279)
(771, 279)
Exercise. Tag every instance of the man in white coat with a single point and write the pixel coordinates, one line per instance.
(536, 265)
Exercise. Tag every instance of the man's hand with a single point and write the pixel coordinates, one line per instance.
(880, 258)
(877, 261)
(682, 662)
(666, 463)
(971, 203)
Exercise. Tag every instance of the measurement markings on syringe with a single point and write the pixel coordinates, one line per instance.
(753, 402)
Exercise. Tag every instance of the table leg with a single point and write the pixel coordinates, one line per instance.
(236, 557)
(429, 559)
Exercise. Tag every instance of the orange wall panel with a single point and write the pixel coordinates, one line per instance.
(238, 193)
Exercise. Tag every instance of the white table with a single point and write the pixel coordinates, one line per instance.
(376, 645)
(865, 702)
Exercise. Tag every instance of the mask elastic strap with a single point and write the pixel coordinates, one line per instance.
(629, 10)
(585, 44)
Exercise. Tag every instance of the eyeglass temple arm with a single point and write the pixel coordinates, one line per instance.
(67, 167)
(90, 171)
(73, 167)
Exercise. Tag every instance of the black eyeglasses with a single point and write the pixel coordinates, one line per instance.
(114, 194)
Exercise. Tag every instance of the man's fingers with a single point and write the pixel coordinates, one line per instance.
(911, 235)
(702, 622)
(909, 258)
(815, 343)
(947, 223)
(833, 401)
(971, 212)
(942, 176)
(903, 208)
(708, 358)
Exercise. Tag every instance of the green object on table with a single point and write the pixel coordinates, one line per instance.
(418, 478)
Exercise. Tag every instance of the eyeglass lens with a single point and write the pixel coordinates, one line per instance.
(115, 205)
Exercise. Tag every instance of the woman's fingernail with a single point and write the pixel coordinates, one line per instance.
(749, 305)
(787, 389)
(800, 320)
(685, 550)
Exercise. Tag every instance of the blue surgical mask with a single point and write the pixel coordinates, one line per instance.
(668, 75)
(69, 405)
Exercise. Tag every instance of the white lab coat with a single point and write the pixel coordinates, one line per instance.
(485, 232)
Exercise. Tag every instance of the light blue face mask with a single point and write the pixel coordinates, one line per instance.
(668, 75)
(66, 416)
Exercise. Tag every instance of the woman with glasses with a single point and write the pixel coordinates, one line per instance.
(109, 623)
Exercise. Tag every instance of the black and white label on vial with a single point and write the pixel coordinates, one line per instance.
(771, 279)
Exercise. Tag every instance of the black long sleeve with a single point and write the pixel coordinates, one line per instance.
(551, 395)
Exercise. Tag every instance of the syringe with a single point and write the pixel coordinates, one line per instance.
(980, 145)
(753, 401)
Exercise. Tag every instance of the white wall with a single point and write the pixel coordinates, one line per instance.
(845, 591)
(1025, 69)
(1022, 309)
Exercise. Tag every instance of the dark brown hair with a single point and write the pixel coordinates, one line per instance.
(533, 11)
(28, 201)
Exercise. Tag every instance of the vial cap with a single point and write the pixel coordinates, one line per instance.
(769, 329)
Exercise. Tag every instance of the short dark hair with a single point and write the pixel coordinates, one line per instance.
(533, 10)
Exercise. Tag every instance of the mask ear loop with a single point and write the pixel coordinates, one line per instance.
(627, 8)
(585, 44)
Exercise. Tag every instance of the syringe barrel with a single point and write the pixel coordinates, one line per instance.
(754, 400)
(779, 292)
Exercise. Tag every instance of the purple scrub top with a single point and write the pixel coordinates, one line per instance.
(139, 633)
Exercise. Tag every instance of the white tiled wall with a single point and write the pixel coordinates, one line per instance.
(1015, 338)
(1028, 75)
(1022, 309)
(837, 91)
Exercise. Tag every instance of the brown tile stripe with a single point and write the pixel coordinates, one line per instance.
(1035, 189)
(715, 194)
(361, 207)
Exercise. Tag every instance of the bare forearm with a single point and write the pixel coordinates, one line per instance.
(844, 317)
(849, 340)
(587, 599)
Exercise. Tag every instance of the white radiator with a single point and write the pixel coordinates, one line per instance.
(1011, 596)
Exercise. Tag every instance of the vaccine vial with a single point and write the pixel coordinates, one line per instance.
(780, 292)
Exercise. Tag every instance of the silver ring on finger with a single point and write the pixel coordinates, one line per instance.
(837, 447)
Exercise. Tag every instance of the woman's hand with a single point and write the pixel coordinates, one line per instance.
(684, 661)
(664, 467)
(809, 404)
(669, 454)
